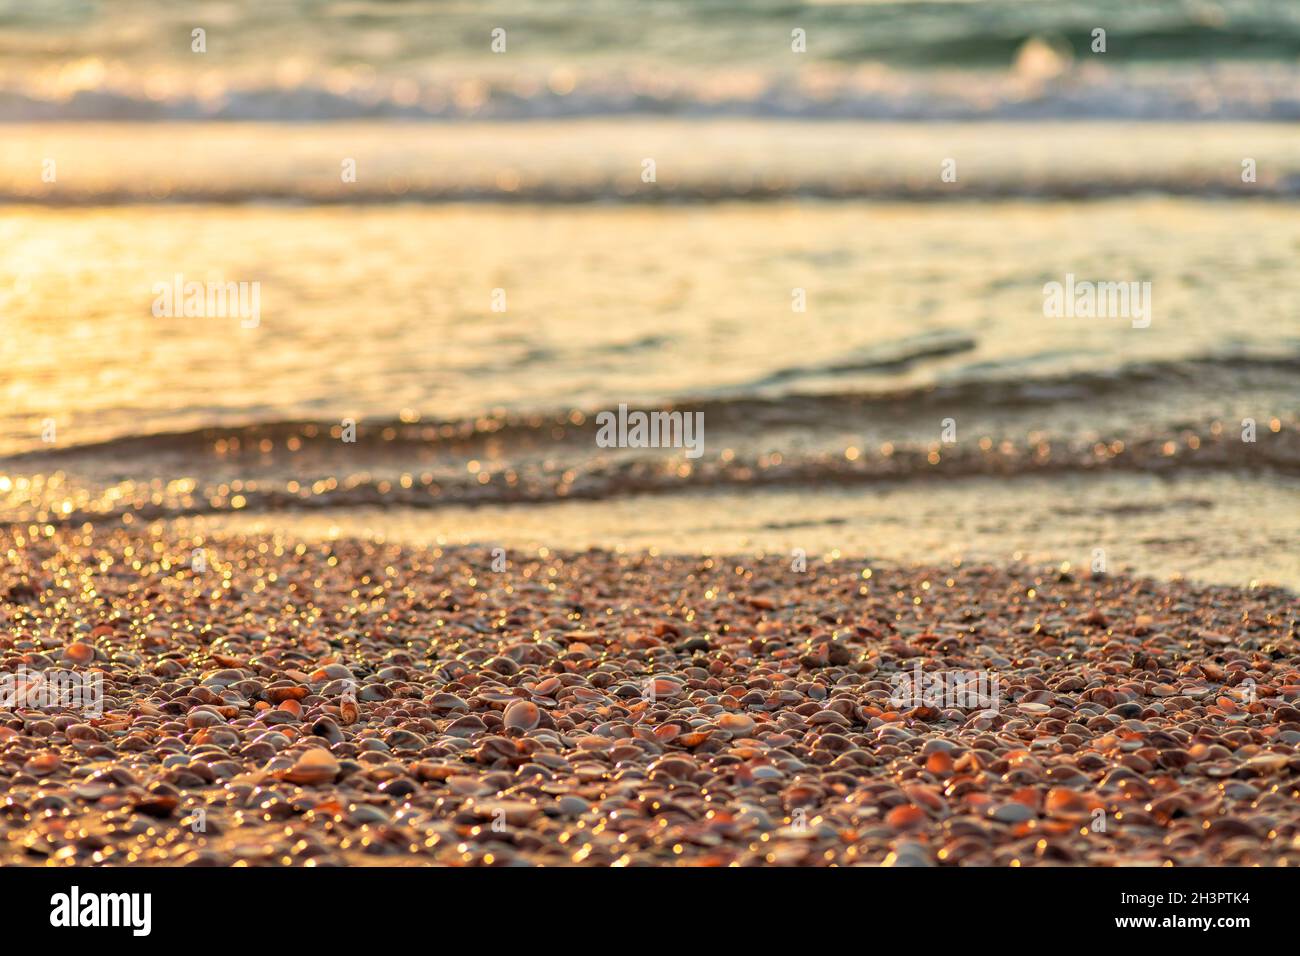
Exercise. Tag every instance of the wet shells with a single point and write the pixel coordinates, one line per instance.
(360, 702)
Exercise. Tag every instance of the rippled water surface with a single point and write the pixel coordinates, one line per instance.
(385, 312)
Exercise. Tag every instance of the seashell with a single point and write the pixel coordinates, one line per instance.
(736, 724)
(1061, 802)
(316, 765)
(278, 694)
(79, 653)
(906, 817)
(522, 715)
(939, 763)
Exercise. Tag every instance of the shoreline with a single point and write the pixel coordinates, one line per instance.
(1143, 524)
(395, 704)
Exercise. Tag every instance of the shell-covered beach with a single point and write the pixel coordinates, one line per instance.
(545, 433)
(351, 703)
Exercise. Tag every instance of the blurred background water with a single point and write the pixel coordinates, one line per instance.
(775, 172)
(332, 59)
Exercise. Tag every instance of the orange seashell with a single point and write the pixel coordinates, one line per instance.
(666, 732)
(696, 738)
(939, 763)
(43, 764)
(906, 817)
(547, 687)
(1027, 796)
(278, 694)
(349, 712)
(292, 706)
(1061, 802)
(79, 653)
